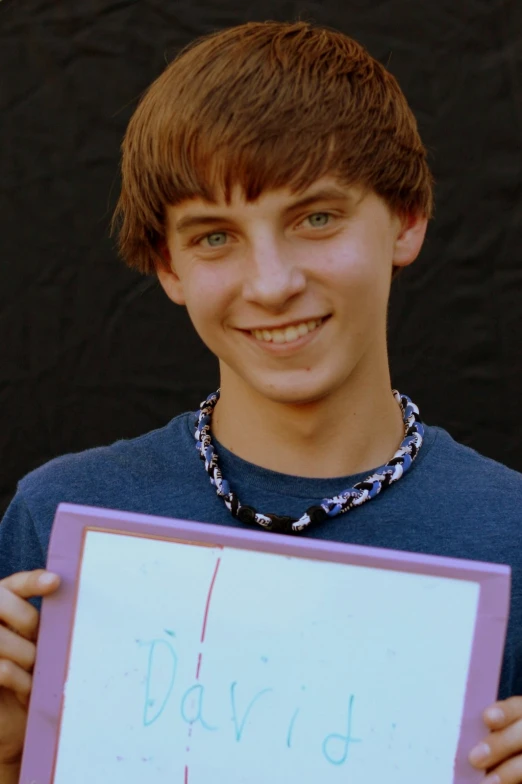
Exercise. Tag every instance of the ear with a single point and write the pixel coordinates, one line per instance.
(168, 277)
(410, 236)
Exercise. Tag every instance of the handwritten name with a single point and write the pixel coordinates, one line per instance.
(163, 657)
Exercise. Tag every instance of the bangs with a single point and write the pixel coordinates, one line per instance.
(261, 107)
(213, 172)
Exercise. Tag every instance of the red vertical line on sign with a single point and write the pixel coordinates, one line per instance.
(209, 597)
(198, 667)
(203, 631)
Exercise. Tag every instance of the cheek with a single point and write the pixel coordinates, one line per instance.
(362, 275)
(208, 296)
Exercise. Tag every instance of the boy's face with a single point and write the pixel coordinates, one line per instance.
(290, 291)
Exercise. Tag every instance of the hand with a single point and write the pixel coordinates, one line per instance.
(18, 632)
(502, 750)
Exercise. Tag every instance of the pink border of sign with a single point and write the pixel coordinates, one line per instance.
(57, 618)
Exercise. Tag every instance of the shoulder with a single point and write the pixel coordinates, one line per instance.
(452, 456)
(453, 469)
(144, 474)
(90, 475)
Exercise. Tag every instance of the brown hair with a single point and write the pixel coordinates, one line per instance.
(265, 105)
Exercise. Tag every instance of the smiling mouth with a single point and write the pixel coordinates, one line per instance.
(287, 334)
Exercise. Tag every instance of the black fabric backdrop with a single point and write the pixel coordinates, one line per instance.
(90, 352)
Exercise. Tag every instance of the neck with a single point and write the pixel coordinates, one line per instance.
(351, 431)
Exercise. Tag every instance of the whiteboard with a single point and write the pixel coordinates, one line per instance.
(195, 662)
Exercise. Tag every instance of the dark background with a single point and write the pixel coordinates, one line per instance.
(91, 352)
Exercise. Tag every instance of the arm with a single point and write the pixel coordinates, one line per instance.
(21, 548)
(18, 633)
(22, 562)
(9, 774)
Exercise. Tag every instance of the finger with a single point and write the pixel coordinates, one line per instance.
(15, 679)
(498, 746)
(510, 772)
(17, 649)
(26, 585)
(17, 614)
(502, 713)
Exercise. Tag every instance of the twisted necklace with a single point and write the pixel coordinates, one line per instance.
(347, 500)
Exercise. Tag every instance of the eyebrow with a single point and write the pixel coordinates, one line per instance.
(325, 194)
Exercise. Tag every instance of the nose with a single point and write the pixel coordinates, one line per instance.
(272, 277)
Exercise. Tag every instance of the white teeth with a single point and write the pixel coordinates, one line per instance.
(287, 335)
(291, 333)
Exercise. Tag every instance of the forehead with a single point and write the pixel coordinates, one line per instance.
(270, 202)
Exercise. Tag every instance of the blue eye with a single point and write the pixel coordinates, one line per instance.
(319, 219)
(216, 239)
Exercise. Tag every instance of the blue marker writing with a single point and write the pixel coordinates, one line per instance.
(344, 741)
(149, 715)
(291, 727)
(197, 691)
(240, 727)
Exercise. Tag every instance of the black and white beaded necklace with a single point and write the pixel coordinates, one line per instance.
(329, 507)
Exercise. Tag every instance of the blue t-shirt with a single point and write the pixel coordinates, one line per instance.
(453, 502)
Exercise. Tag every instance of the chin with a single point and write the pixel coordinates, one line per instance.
(296, 394)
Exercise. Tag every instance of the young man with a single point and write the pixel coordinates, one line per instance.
(274, 180)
